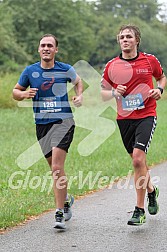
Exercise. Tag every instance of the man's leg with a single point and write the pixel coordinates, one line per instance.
(150, 187)
(141, 176)
(56, 162)
(59, 177)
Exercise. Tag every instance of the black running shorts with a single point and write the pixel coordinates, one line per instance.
(137, 133)
(58, 134)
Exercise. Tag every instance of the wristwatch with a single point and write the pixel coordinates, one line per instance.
(161, 89)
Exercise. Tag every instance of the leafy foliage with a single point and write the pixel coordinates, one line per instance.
(145, 9)
(85, 30)
(11, 53)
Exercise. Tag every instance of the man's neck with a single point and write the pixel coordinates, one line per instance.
(129, 55)
(47, 65)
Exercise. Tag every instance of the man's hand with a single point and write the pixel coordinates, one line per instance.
(20, 93)
(120, 90)
(77, 100)
(30, 93)
(155, 93)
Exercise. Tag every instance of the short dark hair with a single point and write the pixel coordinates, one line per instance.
(50, 35)
(133, 28)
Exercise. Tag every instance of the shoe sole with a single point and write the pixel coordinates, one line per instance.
(60, 226)
(136, 224)
(143, 220)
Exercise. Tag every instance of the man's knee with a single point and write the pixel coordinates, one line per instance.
(137, 162)
(57, 171)
(138, 159)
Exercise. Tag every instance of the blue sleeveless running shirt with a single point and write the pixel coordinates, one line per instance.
(51, 101)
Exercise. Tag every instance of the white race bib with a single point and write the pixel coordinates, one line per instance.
(49, 104)
(133, 102)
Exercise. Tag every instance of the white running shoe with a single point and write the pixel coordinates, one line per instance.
(67, 207)
(60, 220)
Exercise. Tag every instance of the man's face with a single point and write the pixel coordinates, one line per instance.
(47, 49)
(127, 41)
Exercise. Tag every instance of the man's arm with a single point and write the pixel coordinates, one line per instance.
(157, 92)
(78, 87)
(113, 93)
(161, 82)
(20, 93)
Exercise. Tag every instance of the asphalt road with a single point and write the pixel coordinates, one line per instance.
(99, 224)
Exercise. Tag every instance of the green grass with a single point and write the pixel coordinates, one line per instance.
(7, 83)
(18, 134)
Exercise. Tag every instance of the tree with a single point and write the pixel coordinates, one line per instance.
(143, 9)
(10, 51)
(66, 19)
(85, 30)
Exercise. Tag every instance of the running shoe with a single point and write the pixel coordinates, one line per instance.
(138, 217)
(67, 207)
(60, 220)
(153, 206)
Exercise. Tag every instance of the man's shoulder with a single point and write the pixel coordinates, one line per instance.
(112, 60)
(148, 56)
(62, 66)
(33, 66)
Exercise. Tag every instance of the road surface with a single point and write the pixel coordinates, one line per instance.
(99, 224)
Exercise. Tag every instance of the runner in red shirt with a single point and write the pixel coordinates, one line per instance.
(129, 78)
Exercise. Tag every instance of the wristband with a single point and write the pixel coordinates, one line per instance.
(113, 93)
(161, 89)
